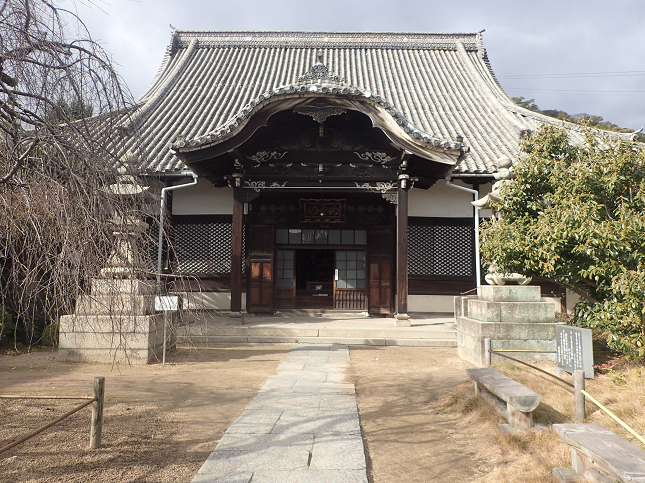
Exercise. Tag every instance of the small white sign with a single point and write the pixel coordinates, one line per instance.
(167, 303)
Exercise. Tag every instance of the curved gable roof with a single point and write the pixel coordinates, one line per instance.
(439, 88)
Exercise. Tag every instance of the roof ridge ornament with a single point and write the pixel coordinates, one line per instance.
(319, 71)
(319, 113)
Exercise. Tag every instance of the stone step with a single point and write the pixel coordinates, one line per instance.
(343, 333)
(267, 339)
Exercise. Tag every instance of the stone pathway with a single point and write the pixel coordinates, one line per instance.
(302, 427)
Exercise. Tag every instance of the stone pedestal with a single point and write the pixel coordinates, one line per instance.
(402, 320)
(512, 316)
(235, 318)
(115, 323)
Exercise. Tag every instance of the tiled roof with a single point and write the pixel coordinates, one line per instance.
(438, 87)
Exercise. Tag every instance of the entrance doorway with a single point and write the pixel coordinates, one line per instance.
(320, 278)
(349, 275)
(314, 278)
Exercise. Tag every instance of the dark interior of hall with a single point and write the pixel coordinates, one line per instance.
(314, 267)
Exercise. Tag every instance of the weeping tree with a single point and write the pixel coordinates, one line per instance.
(575, 214)
(60, 102)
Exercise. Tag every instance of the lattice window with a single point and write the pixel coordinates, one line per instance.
(453, 253)
(420, 242)
(440, 250)
(204, 247)
(243, 252)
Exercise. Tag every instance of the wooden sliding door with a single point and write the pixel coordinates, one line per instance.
(380, 270)
(260, 270)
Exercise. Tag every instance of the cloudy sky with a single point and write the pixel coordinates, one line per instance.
(580, 56)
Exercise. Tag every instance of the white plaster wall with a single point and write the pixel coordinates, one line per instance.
(438, 201)
(203, 199)
(443, 201)
(572, 299)
(220, 301)
(431, 303)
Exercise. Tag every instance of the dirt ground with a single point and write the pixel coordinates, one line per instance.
(162, 421)
(406, 437)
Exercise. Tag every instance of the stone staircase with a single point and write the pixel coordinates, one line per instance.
(326, 328)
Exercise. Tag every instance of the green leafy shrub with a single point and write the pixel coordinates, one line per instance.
(575, 214)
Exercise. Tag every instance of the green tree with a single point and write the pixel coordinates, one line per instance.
(526, 103)
(575, 214)
(584, 119)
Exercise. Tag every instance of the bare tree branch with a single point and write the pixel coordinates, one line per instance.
(19, 162)
(61, 105)
(60, 99)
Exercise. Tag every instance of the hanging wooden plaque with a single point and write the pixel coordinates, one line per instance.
(322, 211)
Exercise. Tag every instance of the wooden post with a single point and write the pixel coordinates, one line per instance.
(167, 320)
(487, 354)
(165, 335)
(402, 249)
(236, 248)
(519, 419)
(96, 428)
(579, 384)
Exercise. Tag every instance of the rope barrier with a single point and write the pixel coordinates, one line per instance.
(533, 367)
(46, 426)
(585, 393)
(616, 418)
(11, 396)
(96, 426)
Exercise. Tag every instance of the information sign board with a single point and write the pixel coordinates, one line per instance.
(574, 349)
(166, 303)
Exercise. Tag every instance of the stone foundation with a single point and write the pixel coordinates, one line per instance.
(116, 323)
(512, 316)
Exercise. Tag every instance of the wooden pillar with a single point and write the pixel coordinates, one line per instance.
(236, 248)
(402, 318)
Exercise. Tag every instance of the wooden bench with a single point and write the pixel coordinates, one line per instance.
(520, 400)
(599, 455)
